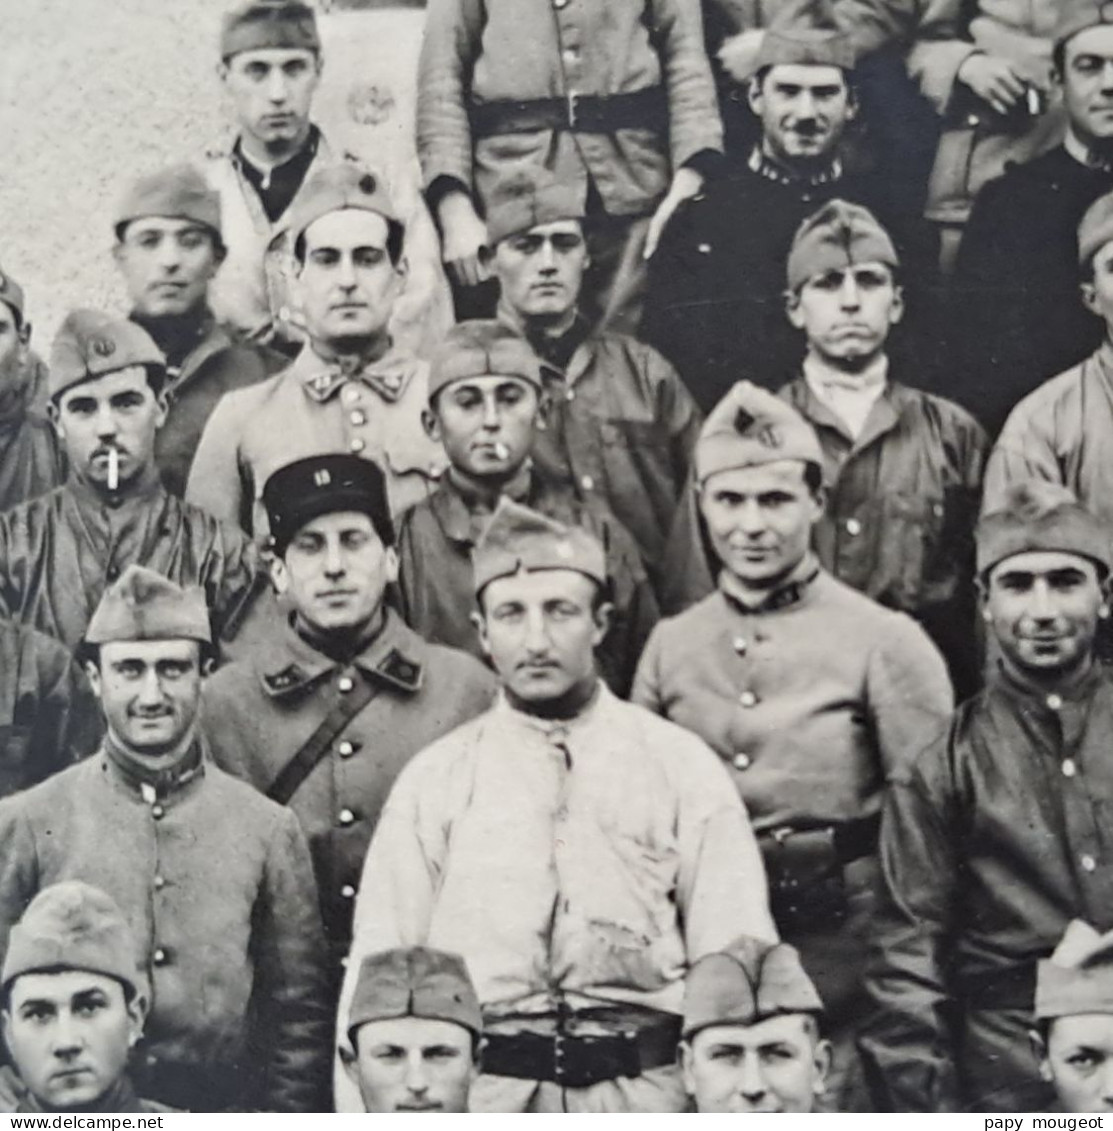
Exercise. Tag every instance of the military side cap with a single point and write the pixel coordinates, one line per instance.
(144, 605)
(1078, 15)
(747, 982)
(268, 24)
(805, 32)
(90, 344)
(72, 926)
(308, 488)
(178, 192)
(1096, 229)
(527, 200)
(11, 293)
(835, 237)
(479, 349)
(1040, 516)
(1078, 977)
(750, 427)
(414, 981)
(335, 188)
(521, 540)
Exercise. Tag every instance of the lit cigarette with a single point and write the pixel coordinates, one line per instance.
(502, 451)
(113, 469)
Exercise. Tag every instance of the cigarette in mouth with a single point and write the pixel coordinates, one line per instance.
(502, 451)
(113, 469)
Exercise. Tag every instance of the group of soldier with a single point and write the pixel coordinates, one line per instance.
(485, 633)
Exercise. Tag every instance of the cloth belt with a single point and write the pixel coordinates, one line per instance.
(644, 1039)
(1011, 988)
(645, 109)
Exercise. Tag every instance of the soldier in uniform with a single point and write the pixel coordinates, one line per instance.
(485, 406)
(216, 880)
(271, 65)
(994, 836)
(30, 460)
(59, 552)
(808, 691)
(620, 423)
(168, 249)
(350, 389)
(325, 714)
(75, 1000)
(413, 1030)
(577, 852)
(752, 1040)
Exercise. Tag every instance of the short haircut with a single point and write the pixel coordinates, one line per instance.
(215, 238)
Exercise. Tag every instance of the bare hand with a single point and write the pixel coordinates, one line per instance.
(463, 240)
(686, 183)
(993, 80)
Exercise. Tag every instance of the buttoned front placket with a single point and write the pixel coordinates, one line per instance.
(557, 741)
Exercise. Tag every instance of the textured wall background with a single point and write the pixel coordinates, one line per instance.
(94, 91)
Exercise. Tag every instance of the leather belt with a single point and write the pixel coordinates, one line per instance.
(645, 109)
(578, 1060)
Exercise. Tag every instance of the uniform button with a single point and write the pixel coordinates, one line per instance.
(559, 4)
(112, 573)
(740, 645)
(160, 957)
(157, 811)
(1069, 768)
(347, 891)
(748, 699)
(160, 883)
(345, 684)
(357, 445)
(741, 761)
(587, 483)
(853, 527)
(704, 249)
(1054, 701)
(570, 54)
(345, 750)
(151, 1059)
(284, 314)
(570, 395)
(351, 394)
(1088, 862)
(358, 417)
(346, 817)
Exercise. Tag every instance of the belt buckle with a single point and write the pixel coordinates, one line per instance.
(570, 100)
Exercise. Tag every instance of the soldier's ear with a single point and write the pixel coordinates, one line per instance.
(822, 1058)
(792, 309)
(1089, 297)
(1039, 1051)
(684, 1055)
(92, 672)
(477, 619)
(603, 615)
(350, 1062)
(432, 425)
(280, 579)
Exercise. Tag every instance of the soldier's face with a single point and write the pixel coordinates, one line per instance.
(149, 691)
(1079, 1061)
(347, 284)
(13, 345)
(69, 1034)
(847, 313)
(1044, 609)
(485, 424)
(118, 411)
(1097, 292)
(167, 265)
(541, 271)
(1087, 82)
(413, 1064)
(760, 519)
(541, 632)
(803, 109)
(272, 92)
(335, 572)
(774, 1066)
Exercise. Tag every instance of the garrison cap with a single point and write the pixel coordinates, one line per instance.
(750, 427)
(266, 24)
(1037, 515)
(178, 192)
(308, 488)
(1078, 977)
(479, 348)
(414, 981)
(1078, 15)
(521, 540)
(144, 605)
(72, 926)
(11, 294)
(805, 32)
(90, 344)
(1096, 229)
(337, 187)
(522, 202)
(836, 236)
(748, 981)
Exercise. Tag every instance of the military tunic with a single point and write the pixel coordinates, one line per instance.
(59, 553)
(31, 460)
(309, 409)
(217, 883)
(261, 710)
(437, 584)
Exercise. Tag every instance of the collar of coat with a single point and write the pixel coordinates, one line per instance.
(884, 416)
(790, 592)
(462, 516)
(210, 339)
(321, 380)
(120, 1097)
(762, 164)
(394, 659)
(1043, 699)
